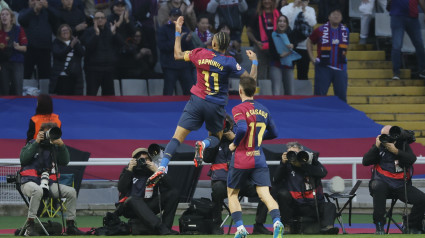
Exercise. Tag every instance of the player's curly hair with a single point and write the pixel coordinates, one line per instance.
(223, 40)
(249, 85)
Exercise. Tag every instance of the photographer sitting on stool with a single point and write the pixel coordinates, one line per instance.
(141, 201)
(38, 175)
(393, 159)
(296, 179)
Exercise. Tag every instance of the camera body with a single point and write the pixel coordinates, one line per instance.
(52, 134)
(303, 157)
(141, 163)
(398, 134)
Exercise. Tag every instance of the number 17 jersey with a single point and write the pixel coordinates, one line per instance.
(260, 126)
(213, 70)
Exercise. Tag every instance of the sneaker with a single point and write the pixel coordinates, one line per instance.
(154, 178)
(362, 41)
(241, 232)
(422, 74)
(379, 229)
(199, 153)
(30, 229)
(278, 229)
(329, 230)
(260, 229)
(396, 77)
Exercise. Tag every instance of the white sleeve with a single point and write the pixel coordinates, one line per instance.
(310, 16)
(212, 6)
(243, 6)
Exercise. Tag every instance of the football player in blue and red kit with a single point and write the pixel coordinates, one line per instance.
(209, 94)
(254, 124)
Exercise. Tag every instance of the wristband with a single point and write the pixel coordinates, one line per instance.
(255, 62)
(178, 34)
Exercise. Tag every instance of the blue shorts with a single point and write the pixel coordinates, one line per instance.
(197, 111)
(236, 178)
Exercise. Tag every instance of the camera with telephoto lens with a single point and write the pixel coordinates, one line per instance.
(11, 178)
(52, 134)
(303, 157)
(398, 134)
(44, 183)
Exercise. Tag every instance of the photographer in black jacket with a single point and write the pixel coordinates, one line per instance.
(142, 202)
(393, 159)
(39, 177)
(296, 179)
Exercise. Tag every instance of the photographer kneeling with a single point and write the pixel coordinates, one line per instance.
(142, 202)
(296, 179)
(393, 159)
(38, 175)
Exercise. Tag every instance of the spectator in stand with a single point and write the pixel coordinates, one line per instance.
(17, 6)
(14, 42)
(102, 44)
(260, 33)
(92, 6)
(67, 74)
(120, 16)
(229, 12)
(325, 6)
(202, 37)
(185, 7)
(366, 9)
(174, 69)
(73, 16)
(143, 12)
(246, 16)
(234, 48)
(282, 3)
(281, 51)
(301, 18)
(136, 60)
(404, 18)
(38, 22)
(331, 62)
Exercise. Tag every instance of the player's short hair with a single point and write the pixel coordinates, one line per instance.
(223, 40)
(248, 85)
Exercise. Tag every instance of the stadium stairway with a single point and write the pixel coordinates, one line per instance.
(386, 101)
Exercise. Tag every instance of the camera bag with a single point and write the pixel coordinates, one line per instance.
(197, 219)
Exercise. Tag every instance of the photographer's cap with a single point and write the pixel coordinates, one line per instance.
(139, 150)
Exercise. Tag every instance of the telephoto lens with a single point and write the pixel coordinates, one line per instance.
(44, 184)
(291, 156)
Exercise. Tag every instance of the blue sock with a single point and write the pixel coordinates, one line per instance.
(211, 140)
(169, 151)
(237, 217)
(275, 214)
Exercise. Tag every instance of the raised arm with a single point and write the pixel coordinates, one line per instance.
(253, 57)
(178, 53)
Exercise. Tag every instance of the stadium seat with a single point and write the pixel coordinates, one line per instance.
(117, 87)
(265, 86)
(134, 87)
(303, 87)
(233, 84)
(353, 11)
(43, 85)
(155, 87)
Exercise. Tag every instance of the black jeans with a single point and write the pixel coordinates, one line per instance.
(290, 209)
(39, 57)
(303, 64)
(219, 193)
(146, 209)
(96, 79)
(381, 191)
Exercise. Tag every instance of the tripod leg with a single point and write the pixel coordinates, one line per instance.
(21, 232)
(42, 227)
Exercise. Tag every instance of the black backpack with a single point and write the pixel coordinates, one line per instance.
(197, 219)
(112, 226)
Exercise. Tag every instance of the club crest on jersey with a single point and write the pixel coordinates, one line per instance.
(238, 67)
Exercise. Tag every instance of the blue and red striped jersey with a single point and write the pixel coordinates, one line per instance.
(213, 70)
(259, 127)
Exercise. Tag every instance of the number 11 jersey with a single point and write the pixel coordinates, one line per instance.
(213, 70)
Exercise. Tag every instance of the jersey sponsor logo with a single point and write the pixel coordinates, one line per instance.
(259, 112)
(211, 63)
(238, 67)
(253, 153)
